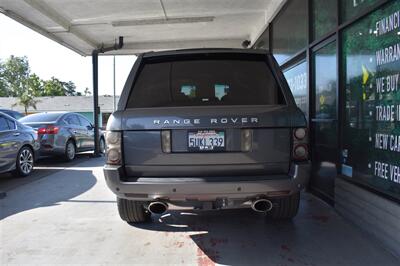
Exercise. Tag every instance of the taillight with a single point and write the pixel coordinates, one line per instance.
(300, 144)
(247, 140)
(166, 141)
(113, 141)
(48, 130)
(41, 131)
(300, 133)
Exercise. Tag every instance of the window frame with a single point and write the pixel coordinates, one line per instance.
(8, 125)
(72, 115)
(84, 119)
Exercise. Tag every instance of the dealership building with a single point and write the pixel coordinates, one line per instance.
(343, 65)
(341, 59)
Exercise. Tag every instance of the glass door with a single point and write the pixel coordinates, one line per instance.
(324, 121)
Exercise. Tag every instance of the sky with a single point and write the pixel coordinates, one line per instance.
(48, 58)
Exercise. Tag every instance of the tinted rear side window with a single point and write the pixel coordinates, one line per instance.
(3, 124)
(72, 120)
(205, 82)
(11, 124)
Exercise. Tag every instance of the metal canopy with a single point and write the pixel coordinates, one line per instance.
(146, 25)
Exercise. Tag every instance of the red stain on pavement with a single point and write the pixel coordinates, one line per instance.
(203, 259)
(285, 247)
(179, 244)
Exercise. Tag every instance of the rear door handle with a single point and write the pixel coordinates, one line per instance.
(16, 134)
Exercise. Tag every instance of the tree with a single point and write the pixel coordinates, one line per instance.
(27, 100)
(35, 84)
(3, 86)
(15, 75)
(87, 92)
(69, 88)
(53, 87)
(16, 80)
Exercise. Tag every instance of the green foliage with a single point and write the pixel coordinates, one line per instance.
(15, 75)
(87, 92)
(352, 8)
(3, 87)
(324, 17)
(26, 99)
(16, 80)
(53, 87)
(70, 89)
(35, 84)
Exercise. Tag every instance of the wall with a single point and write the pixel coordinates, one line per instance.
(374, 214)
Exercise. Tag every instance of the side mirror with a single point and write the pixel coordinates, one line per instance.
(90, 127)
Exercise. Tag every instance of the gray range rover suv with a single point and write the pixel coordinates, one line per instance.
(208, 129)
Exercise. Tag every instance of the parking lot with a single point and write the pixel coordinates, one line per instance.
(65, 214)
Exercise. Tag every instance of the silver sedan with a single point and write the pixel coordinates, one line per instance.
(18, 146)
(63, 133)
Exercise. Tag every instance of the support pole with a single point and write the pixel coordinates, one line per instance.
(95, 65)
(96, 109)
(114, 103)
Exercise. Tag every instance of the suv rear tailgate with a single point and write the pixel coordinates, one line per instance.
(270, 152)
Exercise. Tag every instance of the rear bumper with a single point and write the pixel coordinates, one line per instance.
(208, 188)
(49, 148)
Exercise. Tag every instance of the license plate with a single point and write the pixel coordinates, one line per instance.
(206, 140)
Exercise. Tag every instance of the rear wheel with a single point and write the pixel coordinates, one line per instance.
(24, 162)
(132, 211)
(70, 151)
(102, 146)
(286, 208)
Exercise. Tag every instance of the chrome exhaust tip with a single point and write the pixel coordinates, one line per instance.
(261, 205)
(157, 207)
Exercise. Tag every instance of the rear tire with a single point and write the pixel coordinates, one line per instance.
(286, 208)
(24, 162)
(70, 151)
(132, 211)
(102, 146)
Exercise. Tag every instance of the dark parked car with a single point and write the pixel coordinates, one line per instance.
(63, 133)
(208, 129)
(18, 146)
(14, 114)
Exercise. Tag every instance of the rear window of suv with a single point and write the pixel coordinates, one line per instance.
(199, 82)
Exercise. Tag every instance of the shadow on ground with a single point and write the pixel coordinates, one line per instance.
(230, 237)
(316, 236)
(66, 182)
(43, 167)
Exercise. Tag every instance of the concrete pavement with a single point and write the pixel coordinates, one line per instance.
(70, 217)
(43, 168)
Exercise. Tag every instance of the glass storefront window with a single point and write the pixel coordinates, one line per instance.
(371, 71)
(324, 121)
(324, 15)
(325, 82)
(263, 41)
(290, 30)
(296, 77)
(351, 8)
